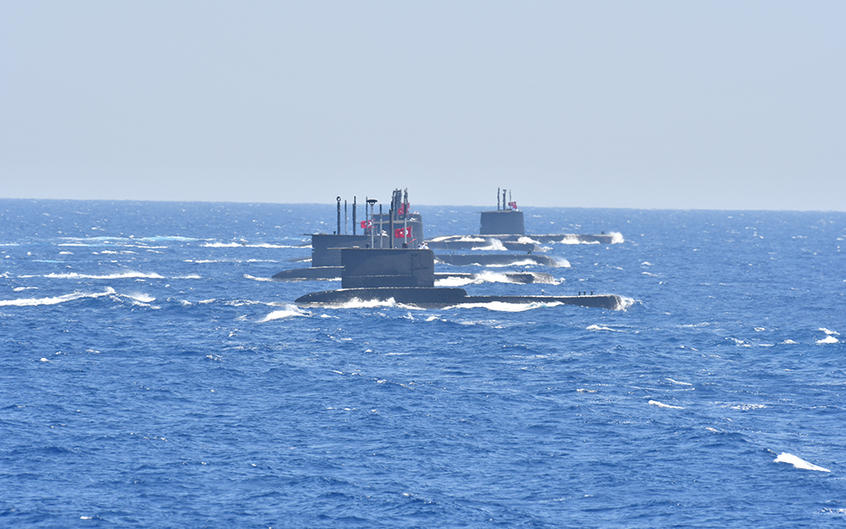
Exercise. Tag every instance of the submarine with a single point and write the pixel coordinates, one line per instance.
(400, 227)
(326, 247)
(407, 276)
(506, 224)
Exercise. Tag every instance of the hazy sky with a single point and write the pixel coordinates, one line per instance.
(646, 104)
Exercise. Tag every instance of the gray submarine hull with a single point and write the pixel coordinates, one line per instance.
(406, 276)
(439, 297)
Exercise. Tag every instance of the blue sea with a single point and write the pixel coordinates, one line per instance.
(151, 375)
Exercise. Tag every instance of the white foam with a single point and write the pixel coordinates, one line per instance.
(677, 382)
(828, 339)
(119, 275)
(503, 306)
(572, 238)
(54, 300)
(21, 289)
(486, 276)
(829, 331)
(662, 405)
(140, 297)
(617, 237)
(254, 278)
(356, 303)
(798, 462)
(596, 327)
(223, 245)
(624, 303)
(789, 342)
(527, 240)
(189, 276)
(290, 311)
(560, 262)
(493, 245)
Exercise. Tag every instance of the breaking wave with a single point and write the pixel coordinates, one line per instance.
(798, 462)
(504, 306)
(54, 300)
(119, 275)
(254, 278)
(493, 245)
(830, 336)
(290, 311)
(662, 405)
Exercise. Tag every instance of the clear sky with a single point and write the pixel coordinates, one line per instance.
(647, 104)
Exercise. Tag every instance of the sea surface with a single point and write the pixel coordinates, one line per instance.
(152, 376)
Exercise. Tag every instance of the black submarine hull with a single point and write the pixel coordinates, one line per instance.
(439, 297)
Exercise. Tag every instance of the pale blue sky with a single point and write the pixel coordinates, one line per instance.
(653, 104)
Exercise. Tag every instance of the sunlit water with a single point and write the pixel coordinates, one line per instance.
(152, 376)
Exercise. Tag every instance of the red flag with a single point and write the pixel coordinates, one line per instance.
(366, 224)
(402, 233)
(512, 205)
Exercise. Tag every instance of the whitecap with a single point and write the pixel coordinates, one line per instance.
(617, 237)
(527, 240)
(596, 327)
(21, 289)
(798, 462)
(53, 300)
(503, 306)
(789, 342)
(248, 276)
(624, 303)
(117, 275)
(662, 405)
(829, 331)
(677, 382)
(140, 297)
(290, 311)
(828, 339)
(189, 276)
(493, 245)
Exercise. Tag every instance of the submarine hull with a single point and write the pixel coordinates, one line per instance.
(439, 297)
(310, 274)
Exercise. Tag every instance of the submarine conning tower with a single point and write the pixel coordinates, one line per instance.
(387, 267)
(506, 220)
(397, 228)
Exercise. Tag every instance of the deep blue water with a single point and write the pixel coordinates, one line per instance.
(151, 377)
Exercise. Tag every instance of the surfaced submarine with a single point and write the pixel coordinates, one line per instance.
(399, 228)
(506, 224)
(406, 276)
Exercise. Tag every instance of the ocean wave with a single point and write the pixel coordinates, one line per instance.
(798, 462)
(254, 278)
(504, 306)
(248, 245)
(828, 339)
(572, 238)
(617, 237)
(54, 300)
(189, 276)
(677, 382)
(527, 240)
(486, 276)
(493, 245)
(118, 275)
(21, 289)
(662, 405)
(290, 311)
(625, 303)
(596, 327)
